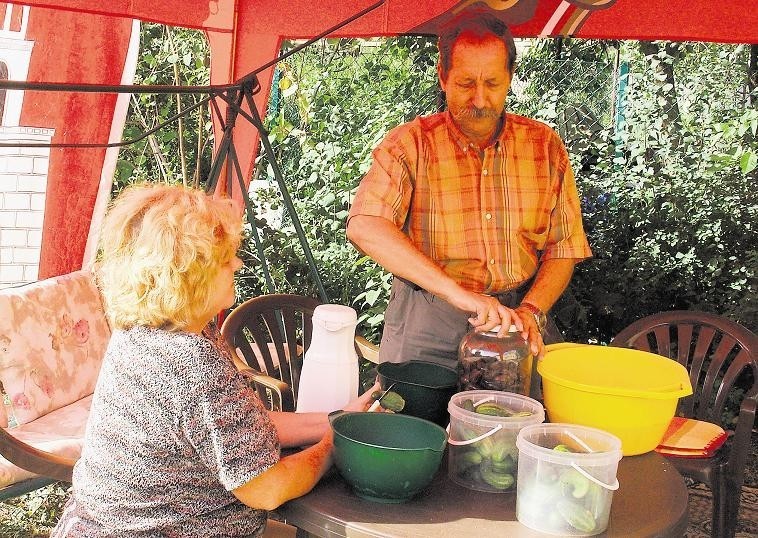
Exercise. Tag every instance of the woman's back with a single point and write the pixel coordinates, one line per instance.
(172, 430)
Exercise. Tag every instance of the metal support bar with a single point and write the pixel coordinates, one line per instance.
(251, 219)
(114, 88)
(123, 143)
(227, 124)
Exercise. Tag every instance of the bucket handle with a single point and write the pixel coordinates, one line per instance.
(475, 439)
(588, 476)
(478, 438)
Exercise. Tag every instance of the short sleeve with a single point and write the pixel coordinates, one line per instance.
(227, 424)
(386, 189)
(566, 238)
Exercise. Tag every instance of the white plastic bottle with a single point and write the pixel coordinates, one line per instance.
(329, 378)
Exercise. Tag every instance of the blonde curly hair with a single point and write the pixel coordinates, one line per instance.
(160, 248)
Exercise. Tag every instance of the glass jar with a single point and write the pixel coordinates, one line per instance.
(488, 362)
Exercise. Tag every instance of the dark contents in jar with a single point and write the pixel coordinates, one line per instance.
(476, 372)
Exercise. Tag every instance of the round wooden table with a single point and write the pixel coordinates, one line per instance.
(651, 501)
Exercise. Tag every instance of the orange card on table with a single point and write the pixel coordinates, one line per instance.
(690, 438)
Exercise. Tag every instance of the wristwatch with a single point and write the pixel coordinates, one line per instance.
(539, 316)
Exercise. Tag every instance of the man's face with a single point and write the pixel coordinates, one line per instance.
(477, 85)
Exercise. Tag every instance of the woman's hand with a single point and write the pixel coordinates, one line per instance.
(362, 402)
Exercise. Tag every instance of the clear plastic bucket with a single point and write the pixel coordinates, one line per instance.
(482, 452)
(566, 478)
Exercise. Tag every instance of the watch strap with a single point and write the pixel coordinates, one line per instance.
(539, 316)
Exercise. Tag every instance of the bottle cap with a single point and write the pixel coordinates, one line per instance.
(334, 317)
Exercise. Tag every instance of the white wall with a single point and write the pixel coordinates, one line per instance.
(23, 170)
(23, 186)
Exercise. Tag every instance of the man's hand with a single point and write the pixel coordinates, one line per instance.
(487, 312)
(531, 332)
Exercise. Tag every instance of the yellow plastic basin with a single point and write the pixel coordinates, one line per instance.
(629, 393)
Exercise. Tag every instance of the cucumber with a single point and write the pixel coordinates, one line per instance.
(485, 447)
(493, 409)
(468, 405)
(497, 480)
(391, 401)
(574, 483)
(594, 500)
(468, 459)
(505, 466)
(467, 434)
(576, 515)
(504, 448)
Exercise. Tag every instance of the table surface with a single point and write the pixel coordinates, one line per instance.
(651, 501)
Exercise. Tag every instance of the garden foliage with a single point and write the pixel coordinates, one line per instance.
(664, 151)
(662, 137)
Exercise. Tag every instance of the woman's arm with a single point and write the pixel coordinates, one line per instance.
(300, 429)
(291, 477)
(295, 475)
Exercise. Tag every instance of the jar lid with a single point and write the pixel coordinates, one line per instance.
(496, 329)
(335, 316)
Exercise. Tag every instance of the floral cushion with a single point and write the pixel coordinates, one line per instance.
(53, 335)
(60, 432)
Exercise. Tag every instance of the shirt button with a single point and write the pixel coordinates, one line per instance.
(492, 261)
(488, 216)
(484, 172)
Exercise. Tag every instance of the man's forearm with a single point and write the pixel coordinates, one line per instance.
(551, 280)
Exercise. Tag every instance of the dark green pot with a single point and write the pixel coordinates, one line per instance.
(387, 457)
(426, 387)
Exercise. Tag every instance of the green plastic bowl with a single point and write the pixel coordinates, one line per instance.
(387, 457)
(426, 387)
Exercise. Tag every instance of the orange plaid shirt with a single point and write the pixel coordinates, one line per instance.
(484, 218)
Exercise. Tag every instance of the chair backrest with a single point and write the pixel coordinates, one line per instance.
(271, 334)
(53, 335)
(718, 353)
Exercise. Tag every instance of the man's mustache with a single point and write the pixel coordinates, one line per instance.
(476, 113)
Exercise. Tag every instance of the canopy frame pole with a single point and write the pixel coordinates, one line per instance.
(233, 95)
(247, 90)
(226, 152)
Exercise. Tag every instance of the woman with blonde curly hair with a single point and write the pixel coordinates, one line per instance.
(177, 443)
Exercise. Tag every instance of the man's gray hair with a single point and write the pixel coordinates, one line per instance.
(479, 24)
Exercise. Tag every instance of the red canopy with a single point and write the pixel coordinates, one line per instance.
(246, 34)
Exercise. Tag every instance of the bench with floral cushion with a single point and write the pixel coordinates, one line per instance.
(53, 335)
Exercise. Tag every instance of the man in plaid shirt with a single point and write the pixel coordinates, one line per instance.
(474, 210)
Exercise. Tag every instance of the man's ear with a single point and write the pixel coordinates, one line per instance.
(440, 77)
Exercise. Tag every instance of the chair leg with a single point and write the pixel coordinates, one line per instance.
(719, 510)
(731, 509)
